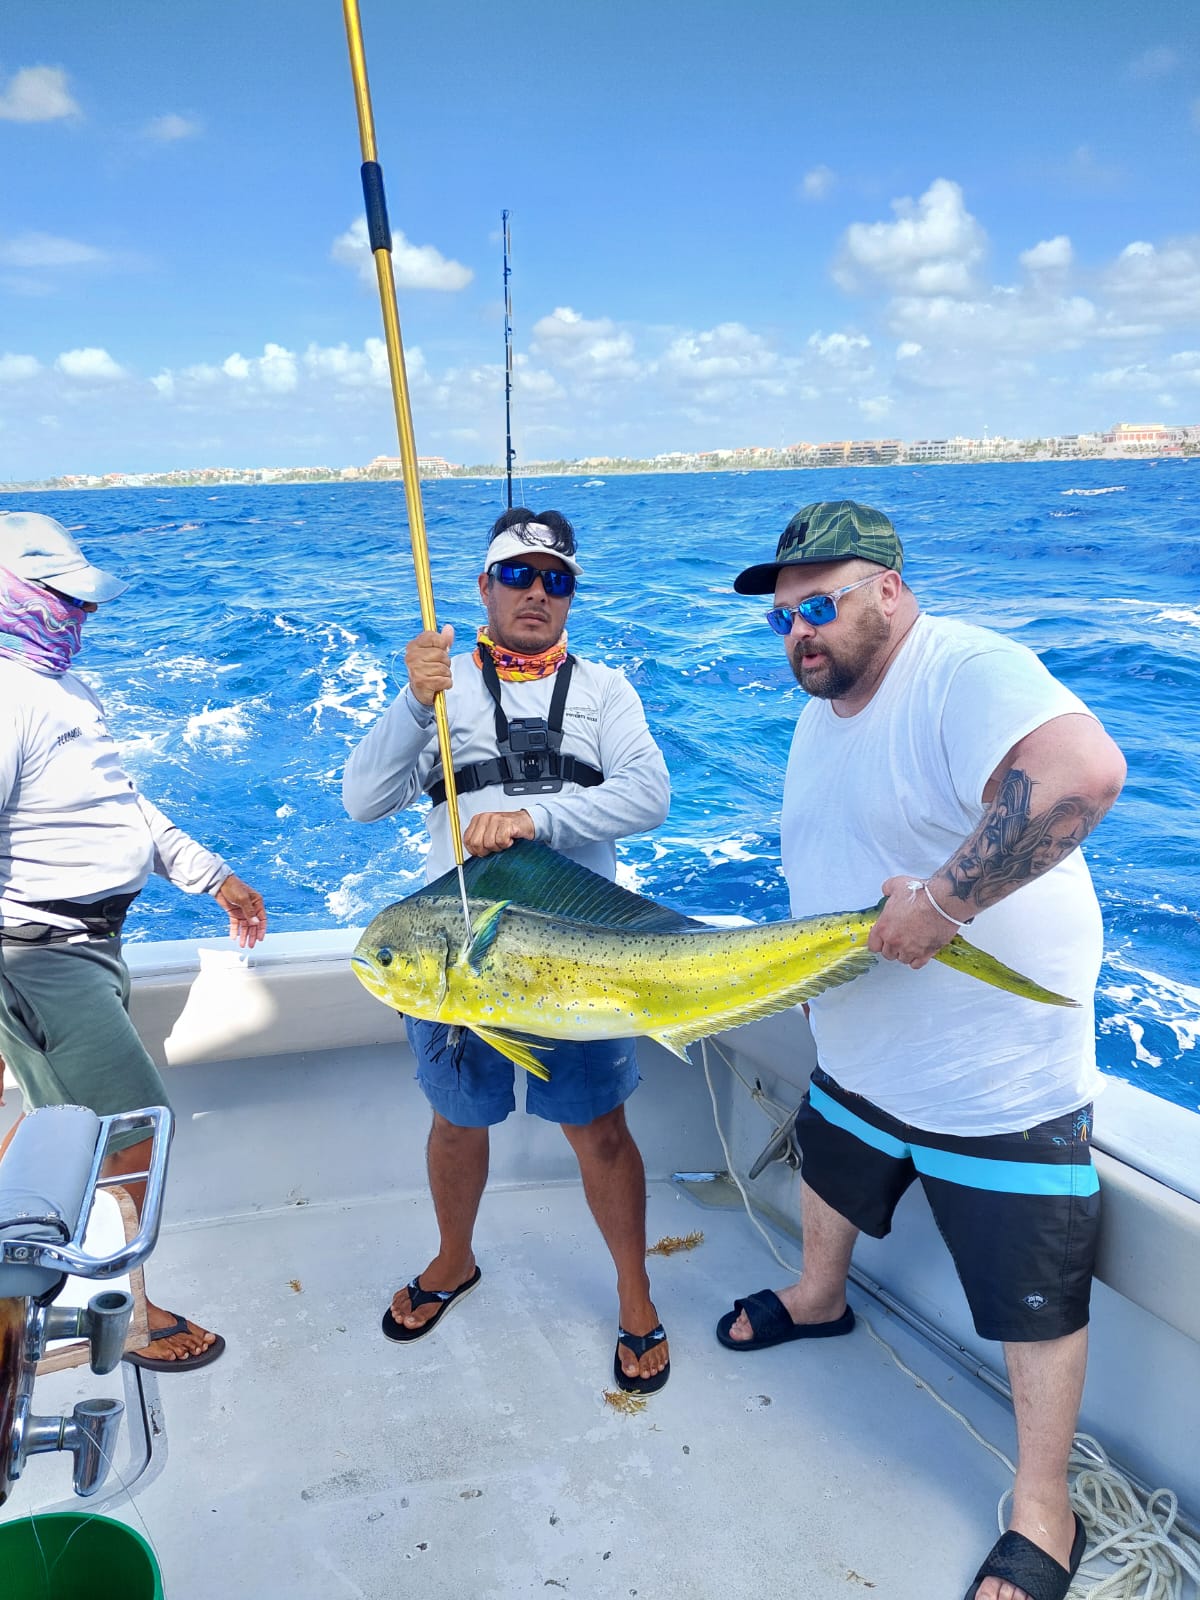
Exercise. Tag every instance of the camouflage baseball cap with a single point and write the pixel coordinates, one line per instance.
(828, 530)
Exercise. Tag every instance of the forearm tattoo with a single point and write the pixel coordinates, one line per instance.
(1010, 847)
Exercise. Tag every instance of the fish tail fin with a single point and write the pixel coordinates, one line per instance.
(516, 1050)
(975, 963)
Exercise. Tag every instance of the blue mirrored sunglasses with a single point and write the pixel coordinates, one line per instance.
(816, 610)
(520, 575)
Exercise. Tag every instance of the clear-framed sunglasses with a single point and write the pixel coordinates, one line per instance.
(816, 610)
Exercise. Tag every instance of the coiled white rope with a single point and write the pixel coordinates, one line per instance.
(1136, 1533)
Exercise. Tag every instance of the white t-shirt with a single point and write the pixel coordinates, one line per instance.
(897, 789)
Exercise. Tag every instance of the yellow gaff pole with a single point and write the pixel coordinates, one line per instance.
(380, 236)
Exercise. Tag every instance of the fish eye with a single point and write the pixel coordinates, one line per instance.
(384, 956)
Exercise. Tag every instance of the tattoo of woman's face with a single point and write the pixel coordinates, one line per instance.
(1010, 846)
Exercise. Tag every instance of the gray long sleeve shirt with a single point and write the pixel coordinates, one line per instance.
(72, 824)
(603, 724)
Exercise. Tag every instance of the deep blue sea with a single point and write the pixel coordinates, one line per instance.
(261, 633)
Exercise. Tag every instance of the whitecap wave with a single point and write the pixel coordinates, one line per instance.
(1112, 488)
(1149, 996)
(217, 727)
(728, 849)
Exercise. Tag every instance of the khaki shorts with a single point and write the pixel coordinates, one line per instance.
(65, 1031)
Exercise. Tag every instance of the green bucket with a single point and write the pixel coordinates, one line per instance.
(68, 1556)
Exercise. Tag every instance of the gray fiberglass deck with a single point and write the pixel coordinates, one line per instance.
(316, 1460)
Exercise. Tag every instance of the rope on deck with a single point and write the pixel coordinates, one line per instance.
(1136, 1533)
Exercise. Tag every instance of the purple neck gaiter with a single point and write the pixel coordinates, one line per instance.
(36, 627)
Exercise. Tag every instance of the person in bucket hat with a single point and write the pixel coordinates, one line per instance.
(77, 843)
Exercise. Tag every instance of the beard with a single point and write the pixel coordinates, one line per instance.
(842, 667)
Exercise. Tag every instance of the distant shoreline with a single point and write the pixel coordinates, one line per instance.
(615, 470)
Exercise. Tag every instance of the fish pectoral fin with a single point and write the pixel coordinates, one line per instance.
(483, 933)
(674, 1042)
(961, 956)
(516, 1050)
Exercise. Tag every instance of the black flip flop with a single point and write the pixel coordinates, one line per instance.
(184, 1364)
(771, 1324)
(637, 1344)
(1017, 1560)
(399, 1334)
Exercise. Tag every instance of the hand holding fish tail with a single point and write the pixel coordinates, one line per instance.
(427, 658)
(910, 928)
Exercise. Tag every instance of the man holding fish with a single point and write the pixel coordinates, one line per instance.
(552, 749)
(945, 763)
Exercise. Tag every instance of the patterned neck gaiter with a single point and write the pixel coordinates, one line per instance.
(36, 627)
(514, 668)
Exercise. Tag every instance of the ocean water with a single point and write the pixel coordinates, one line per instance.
(265, 628)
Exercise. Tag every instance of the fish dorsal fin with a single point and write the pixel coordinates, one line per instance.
(535, 877)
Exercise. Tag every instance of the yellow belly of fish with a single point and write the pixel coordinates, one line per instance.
(594, 987)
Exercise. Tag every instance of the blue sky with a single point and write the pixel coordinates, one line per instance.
(732, 224)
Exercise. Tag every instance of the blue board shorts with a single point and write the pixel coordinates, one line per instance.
(472, 1085)
(1020, 1212)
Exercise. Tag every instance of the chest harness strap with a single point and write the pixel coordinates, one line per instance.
(531, 759)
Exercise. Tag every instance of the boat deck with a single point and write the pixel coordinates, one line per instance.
(315, 1459)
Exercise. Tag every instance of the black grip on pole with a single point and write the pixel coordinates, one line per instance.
(378, 231)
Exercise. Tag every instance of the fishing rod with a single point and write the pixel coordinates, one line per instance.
(508, 444)
(379, 235)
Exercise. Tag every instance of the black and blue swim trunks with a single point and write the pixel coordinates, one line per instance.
(1019, 1211)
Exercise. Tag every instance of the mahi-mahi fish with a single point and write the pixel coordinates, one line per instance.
(557, 952)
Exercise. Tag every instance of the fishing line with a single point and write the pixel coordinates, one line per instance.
(87, 1521)
(1139, 1528)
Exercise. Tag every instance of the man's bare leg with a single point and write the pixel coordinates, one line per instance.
(614, 1182)
(457, 1159)
(1047, 1387)
(819, 1294)
(179, 1346)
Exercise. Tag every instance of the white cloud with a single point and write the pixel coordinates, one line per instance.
(817, 182)
(1051, 255)
(876, 407)
(1183, 368)
(840, 349)
(89, 365)
(908, 350)
(1003, 319)
(37, 94)
(47, 250)
(1157, 62)
(590, 349)
(414, 266)
(275, 370)
(1085, 171)
(932, 247)
(15, 369)
(729, 350)
(172, 127)
(1134, 379)
(353, 368)
(1161, 283)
